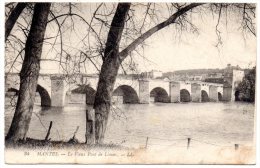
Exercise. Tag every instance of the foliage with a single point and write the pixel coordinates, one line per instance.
(247, 87)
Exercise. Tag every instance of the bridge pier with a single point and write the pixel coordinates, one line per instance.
(195, 92)
(227, 92)
(174, 92)
(57, 91)
(213, 93)
(144, 94)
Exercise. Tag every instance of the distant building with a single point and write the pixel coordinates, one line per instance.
(232, 76)
(224, 77)
(216, 77)
(187, 77)
(228, 74)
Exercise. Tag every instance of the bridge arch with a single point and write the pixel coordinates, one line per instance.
(85, 91)
(185, 95)
(45, 96)
(159, 95)
(237, 95)
(127, 94)
(204, 96)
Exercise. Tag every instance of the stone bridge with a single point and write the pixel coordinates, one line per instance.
(57, 90)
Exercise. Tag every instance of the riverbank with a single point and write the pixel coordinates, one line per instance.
(30, 143)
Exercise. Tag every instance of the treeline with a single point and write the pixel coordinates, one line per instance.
(193, 72)
(246, 88)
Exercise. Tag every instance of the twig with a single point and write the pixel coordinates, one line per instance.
(48, 133)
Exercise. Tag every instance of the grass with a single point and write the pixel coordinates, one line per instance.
(42, 144)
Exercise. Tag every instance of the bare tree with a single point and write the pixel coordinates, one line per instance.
(29, 73)
(109, 70)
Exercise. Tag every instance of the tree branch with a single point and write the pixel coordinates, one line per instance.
(116, 30)
(123, 54)
(10, 22)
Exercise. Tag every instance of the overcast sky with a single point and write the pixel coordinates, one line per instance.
(166, 50)
(199, 51)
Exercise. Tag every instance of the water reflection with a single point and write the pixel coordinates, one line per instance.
(164, 123)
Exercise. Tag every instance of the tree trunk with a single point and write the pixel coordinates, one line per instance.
(109, 70)
(10, 22)
(29, 73)
(90, 127)
(103, 97)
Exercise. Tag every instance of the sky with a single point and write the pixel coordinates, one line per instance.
(199, 51)
(167, 50)
(195, 51)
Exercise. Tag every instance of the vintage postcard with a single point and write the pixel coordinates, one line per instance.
(130, 82)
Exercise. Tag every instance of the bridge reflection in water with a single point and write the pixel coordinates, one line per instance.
(215, 122)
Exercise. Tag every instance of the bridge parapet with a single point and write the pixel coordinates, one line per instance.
(57, 77)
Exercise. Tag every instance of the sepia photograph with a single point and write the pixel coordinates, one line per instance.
(130, 82)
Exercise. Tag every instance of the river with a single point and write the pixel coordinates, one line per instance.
(157, 124)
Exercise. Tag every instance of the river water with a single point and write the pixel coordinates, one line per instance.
(154, 124)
